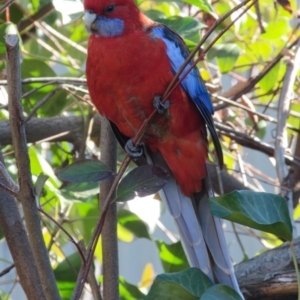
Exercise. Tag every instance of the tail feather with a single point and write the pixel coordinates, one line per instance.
(188, 226)
(201, 234)
(214, 237)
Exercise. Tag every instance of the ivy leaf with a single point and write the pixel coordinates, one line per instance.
(221, 291)
(189, 284)
(88, 170)
(262, 211)
(141, 181)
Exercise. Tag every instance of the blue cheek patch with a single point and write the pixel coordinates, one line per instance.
(108, 27)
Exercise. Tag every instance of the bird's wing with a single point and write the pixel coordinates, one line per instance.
(192, 83)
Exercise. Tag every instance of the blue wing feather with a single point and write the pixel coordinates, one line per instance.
(177, 53)
(192, 83)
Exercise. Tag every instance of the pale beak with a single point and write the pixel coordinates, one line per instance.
(89, 18)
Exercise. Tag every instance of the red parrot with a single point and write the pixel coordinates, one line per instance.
(131, 61)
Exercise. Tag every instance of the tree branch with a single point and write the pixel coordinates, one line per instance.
(26, 194)
(281, 140)
(253, 143)
(108, 147)
(271, 275)
(17, 241)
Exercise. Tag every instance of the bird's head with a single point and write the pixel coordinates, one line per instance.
(110, 18)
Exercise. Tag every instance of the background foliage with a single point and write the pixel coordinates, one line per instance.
(245, 65)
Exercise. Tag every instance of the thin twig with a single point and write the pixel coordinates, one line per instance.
(63, 38)
(253, 142)
(11, 184)
(65, 232)
(92, 281)
(51, 80)
(237, 236)
(42, 102)
(7, 270)
(259, 18)
(6, 4)
(5, 188)
(98, 228)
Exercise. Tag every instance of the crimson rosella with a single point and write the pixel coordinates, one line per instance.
(131, 61)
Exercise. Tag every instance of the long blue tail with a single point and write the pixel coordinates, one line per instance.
(201, 233)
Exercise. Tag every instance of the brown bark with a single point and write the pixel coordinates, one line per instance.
(270, 275)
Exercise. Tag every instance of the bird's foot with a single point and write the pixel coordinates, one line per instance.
(161, 107)
(133, 151)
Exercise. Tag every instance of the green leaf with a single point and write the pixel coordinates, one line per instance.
(188, 285)
(129, 291)
(1, 234)
(202, 4)
(277, 29)
(226, 55)
(88, 170)
(262, 211)
(172, 256)
(268, 81)
(169, 291)
(68, 269)
(261, 48)
(35, 68)
(141, 181)
(133, 223)
(16, 13)
(66, 289)
(80, 191)
(221, 291)
(186, 27)
(40, 182)
(261, 126)
(262, 129)
(123, 234)
(155, 15)
(86, 215)
(55, 104)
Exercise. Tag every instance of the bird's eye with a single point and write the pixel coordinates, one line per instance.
(110, 8)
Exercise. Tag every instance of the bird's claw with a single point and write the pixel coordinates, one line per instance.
(133, 151)
(161, 107)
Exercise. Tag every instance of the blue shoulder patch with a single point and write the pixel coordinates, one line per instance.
(177, 53)
(192, 83)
